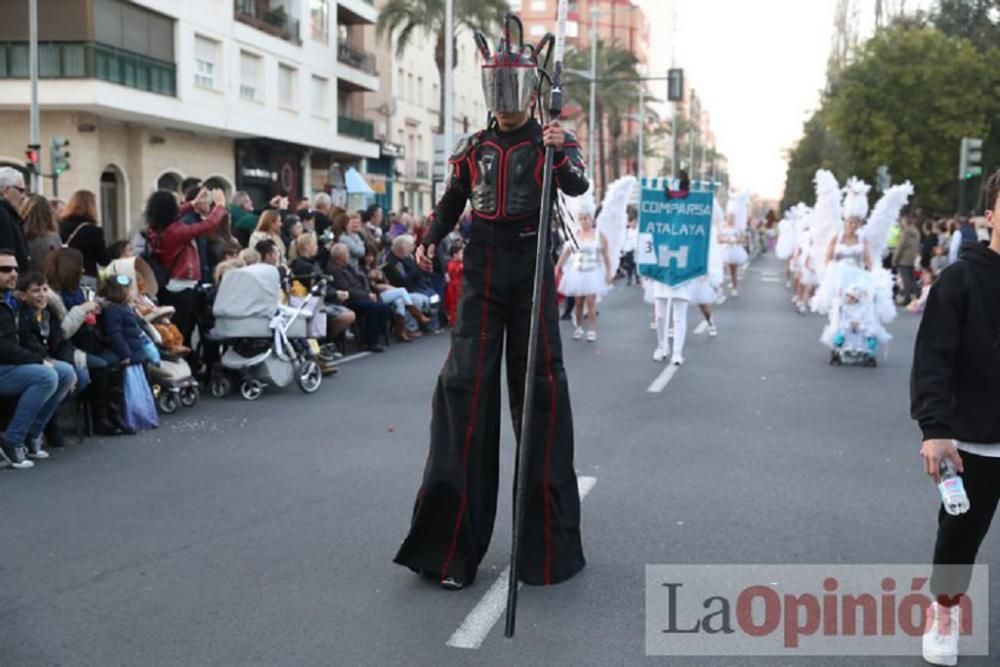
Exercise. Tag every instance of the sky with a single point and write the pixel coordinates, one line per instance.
(758, 68)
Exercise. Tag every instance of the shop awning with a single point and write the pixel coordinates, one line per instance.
(356, 184)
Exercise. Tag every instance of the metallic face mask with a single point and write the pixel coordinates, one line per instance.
(508, 88)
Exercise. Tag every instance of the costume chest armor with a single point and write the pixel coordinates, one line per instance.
(506, 182)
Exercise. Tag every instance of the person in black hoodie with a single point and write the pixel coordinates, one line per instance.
(39, 384)
(954, 388)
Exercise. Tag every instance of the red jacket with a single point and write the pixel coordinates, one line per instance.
(175, 247)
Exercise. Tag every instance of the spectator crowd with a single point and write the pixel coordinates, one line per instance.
(80, 310)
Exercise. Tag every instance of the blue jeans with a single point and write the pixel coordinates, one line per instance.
(40, 390)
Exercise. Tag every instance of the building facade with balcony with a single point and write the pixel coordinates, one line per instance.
(261, 95)
(406, 112)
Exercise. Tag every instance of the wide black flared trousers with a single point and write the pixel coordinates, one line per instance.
(456, 506)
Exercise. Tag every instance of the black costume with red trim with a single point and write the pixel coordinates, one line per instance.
(501, 174)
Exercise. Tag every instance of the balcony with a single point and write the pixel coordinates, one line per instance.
(355, 127)
(90, 60)
(356, 12)
(356, 58)
(274, 20)
(423, 170)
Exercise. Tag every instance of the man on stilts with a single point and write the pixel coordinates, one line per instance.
(499, 170)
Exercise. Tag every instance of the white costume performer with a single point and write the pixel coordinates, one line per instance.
(855, 292)
(700, 291)
(732, 233)
(587, 264)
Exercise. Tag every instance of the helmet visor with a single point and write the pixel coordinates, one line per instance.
(508, 89)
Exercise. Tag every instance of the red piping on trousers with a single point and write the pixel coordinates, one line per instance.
(548, 442)
(473, 410)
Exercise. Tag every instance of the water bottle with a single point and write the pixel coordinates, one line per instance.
(952, 489)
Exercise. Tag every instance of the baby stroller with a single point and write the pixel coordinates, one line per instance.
(263, 342)
(854, 333)
(172, 382)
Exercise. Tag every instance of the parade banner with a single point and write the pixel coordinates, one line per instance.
(674, 233)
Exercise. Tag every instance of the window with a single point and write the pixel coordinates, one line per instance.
(410, 95)
(206, 58)
(537, 30)
(420, 90)
(515, 5)
(319, 20)
(249, 75)
(398, 83)
(539, 5)
(287, 90)
(319, 93)
(572, 29)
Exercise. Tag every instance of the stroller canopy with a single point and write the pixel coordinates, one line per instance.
(253, 291)
(134, 268)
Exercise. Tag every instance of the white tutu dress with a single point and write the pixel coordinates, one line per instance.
(733, 251)
(584, 273)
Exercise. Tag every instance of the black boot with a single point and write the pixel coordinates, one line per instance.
(100, 396)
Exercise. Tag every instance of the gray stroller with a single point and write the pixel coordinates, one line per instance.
(263, 342)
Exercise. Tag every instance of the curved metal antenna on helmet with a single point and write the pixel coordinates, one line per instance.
(482, 44)
(520, 30)
(547, 41)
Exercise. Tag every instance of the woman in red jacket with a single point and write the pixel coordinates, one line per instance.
(172, 244)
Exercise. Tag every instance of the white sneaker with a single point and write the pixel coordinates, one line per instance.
(660, 354)
(35, 450)
(578, 333)
(788, 284)
(652, 326)
(940, 646)
(735, 292)
(677, 360)
(591, 336)
(712, 330)
(670, 332)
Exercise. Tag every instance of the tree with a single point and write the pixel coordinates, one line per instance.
(416, 19)
(819, 148)
(975, 20)
(906, 102)
(617, 96)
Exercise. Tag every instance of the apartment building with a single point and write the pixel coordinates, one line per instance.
(260, 95)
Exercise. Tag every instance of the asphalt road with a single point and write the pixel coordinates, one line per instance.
(262, 533)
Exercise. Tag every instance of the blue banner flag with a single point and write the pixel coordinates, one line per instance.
(674, 233)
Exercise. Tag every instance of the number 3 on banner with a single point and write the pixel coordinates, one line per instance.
(647, 251)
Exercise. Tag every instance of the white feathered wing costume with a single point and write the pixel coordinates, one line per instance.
(613, 220)
(788, 231)
(873, 287)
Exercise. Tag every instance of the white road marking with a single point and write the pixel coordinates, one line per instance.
(701, 328)
(770, 279)
(485, 615)
(352, 357)
(660, 383)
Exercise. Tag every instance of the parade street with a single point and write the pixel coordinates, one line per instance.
(262, 533)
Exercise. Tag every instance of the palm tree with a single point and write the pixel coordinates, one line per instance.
(417, 19)
(617, 95)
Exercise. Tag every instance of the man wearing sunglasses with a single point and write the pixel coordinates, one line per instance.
(12, 194)
(39, 385)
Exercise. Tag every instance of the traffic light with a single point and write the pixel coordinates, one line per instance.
(32, 159)
(675, 85)
(59, 155)
(971, 163)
